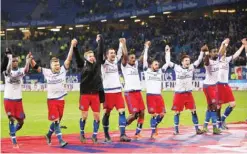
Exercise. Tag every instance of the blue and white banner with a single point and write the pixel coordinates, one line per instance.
(174, 6)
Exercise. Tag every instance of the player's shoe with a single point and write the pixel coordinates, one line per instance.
(94, 139)
(48, 139)
(107, 139)
(199, 132)
(205, 130)
(83, 139)
(15, 146)
(137, 136)
(63, 144)
(176, 133)
(14, 142)
(124, 138)
(216, 131)
(153, 136)
(223, 126)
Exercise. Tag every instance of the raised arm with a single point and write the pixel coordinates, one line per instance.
(206, 58)
(124, 51)
(9, 65)
(238, 52)
(167, 57)
(80, 61)
(199, 60)
(145, 55)
(35, 66)
(223, 46)
(100, 53)
(70, 54)
(28, 61)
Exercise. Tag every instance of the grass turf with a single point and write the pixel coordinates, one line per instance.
(36, 122)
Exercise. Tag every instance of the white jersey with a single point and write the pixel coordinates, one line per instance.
(55, 83)
(183, 78)
(13, 84)
(153, 81)
(212, 71)
(131, 77)
(111, 79)
(224, 69)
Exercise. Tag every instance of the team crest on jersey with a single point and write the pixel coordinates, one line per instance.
(52, 117)
(151, 109)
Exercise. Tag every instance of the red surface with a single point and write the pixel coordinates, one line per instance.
(233, 140)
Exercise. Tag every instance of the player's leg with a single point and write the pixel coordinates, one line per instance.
(140, 123)
(95, 105)
(12, 131)
(122, 119)
(229, 98)
(82, 122)
(108, 106)
(132, 104)
(83, 106)
(177, 107)
(122, 125)
(20, 115)
(196, 122)
(151, 105)
(218, 112)
(190, 104)
(212, 108)
(160, 110)
(208, 113)
(105, 122)
(176, 122)
(10, 111)
(140, 120)
(96, 123)
(54, 117)
(20, 123)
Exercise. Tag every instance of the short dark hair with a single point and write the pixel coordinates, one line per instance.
(183, 57)
(14, 56)
(214, 50)
(54, 59)
(131, 54)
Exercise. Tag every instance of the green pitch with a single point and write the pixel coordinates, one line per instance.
(36, 122)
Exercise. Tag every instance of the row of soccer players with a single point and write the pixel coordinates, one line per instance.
(100, 84)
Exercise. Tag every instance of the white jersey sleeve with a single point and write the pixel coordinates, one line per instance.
(199, 60)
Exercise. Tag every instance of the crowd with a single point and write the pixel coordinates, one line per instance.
(184, 36)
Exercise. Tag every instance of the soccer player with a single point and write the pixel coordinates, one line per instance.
(13, 94)
(153, 80)
(56, 79)
(183, 90)
(90, 87)
(113, 95)
(132, 88)
(211, 64)
(225, 92)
